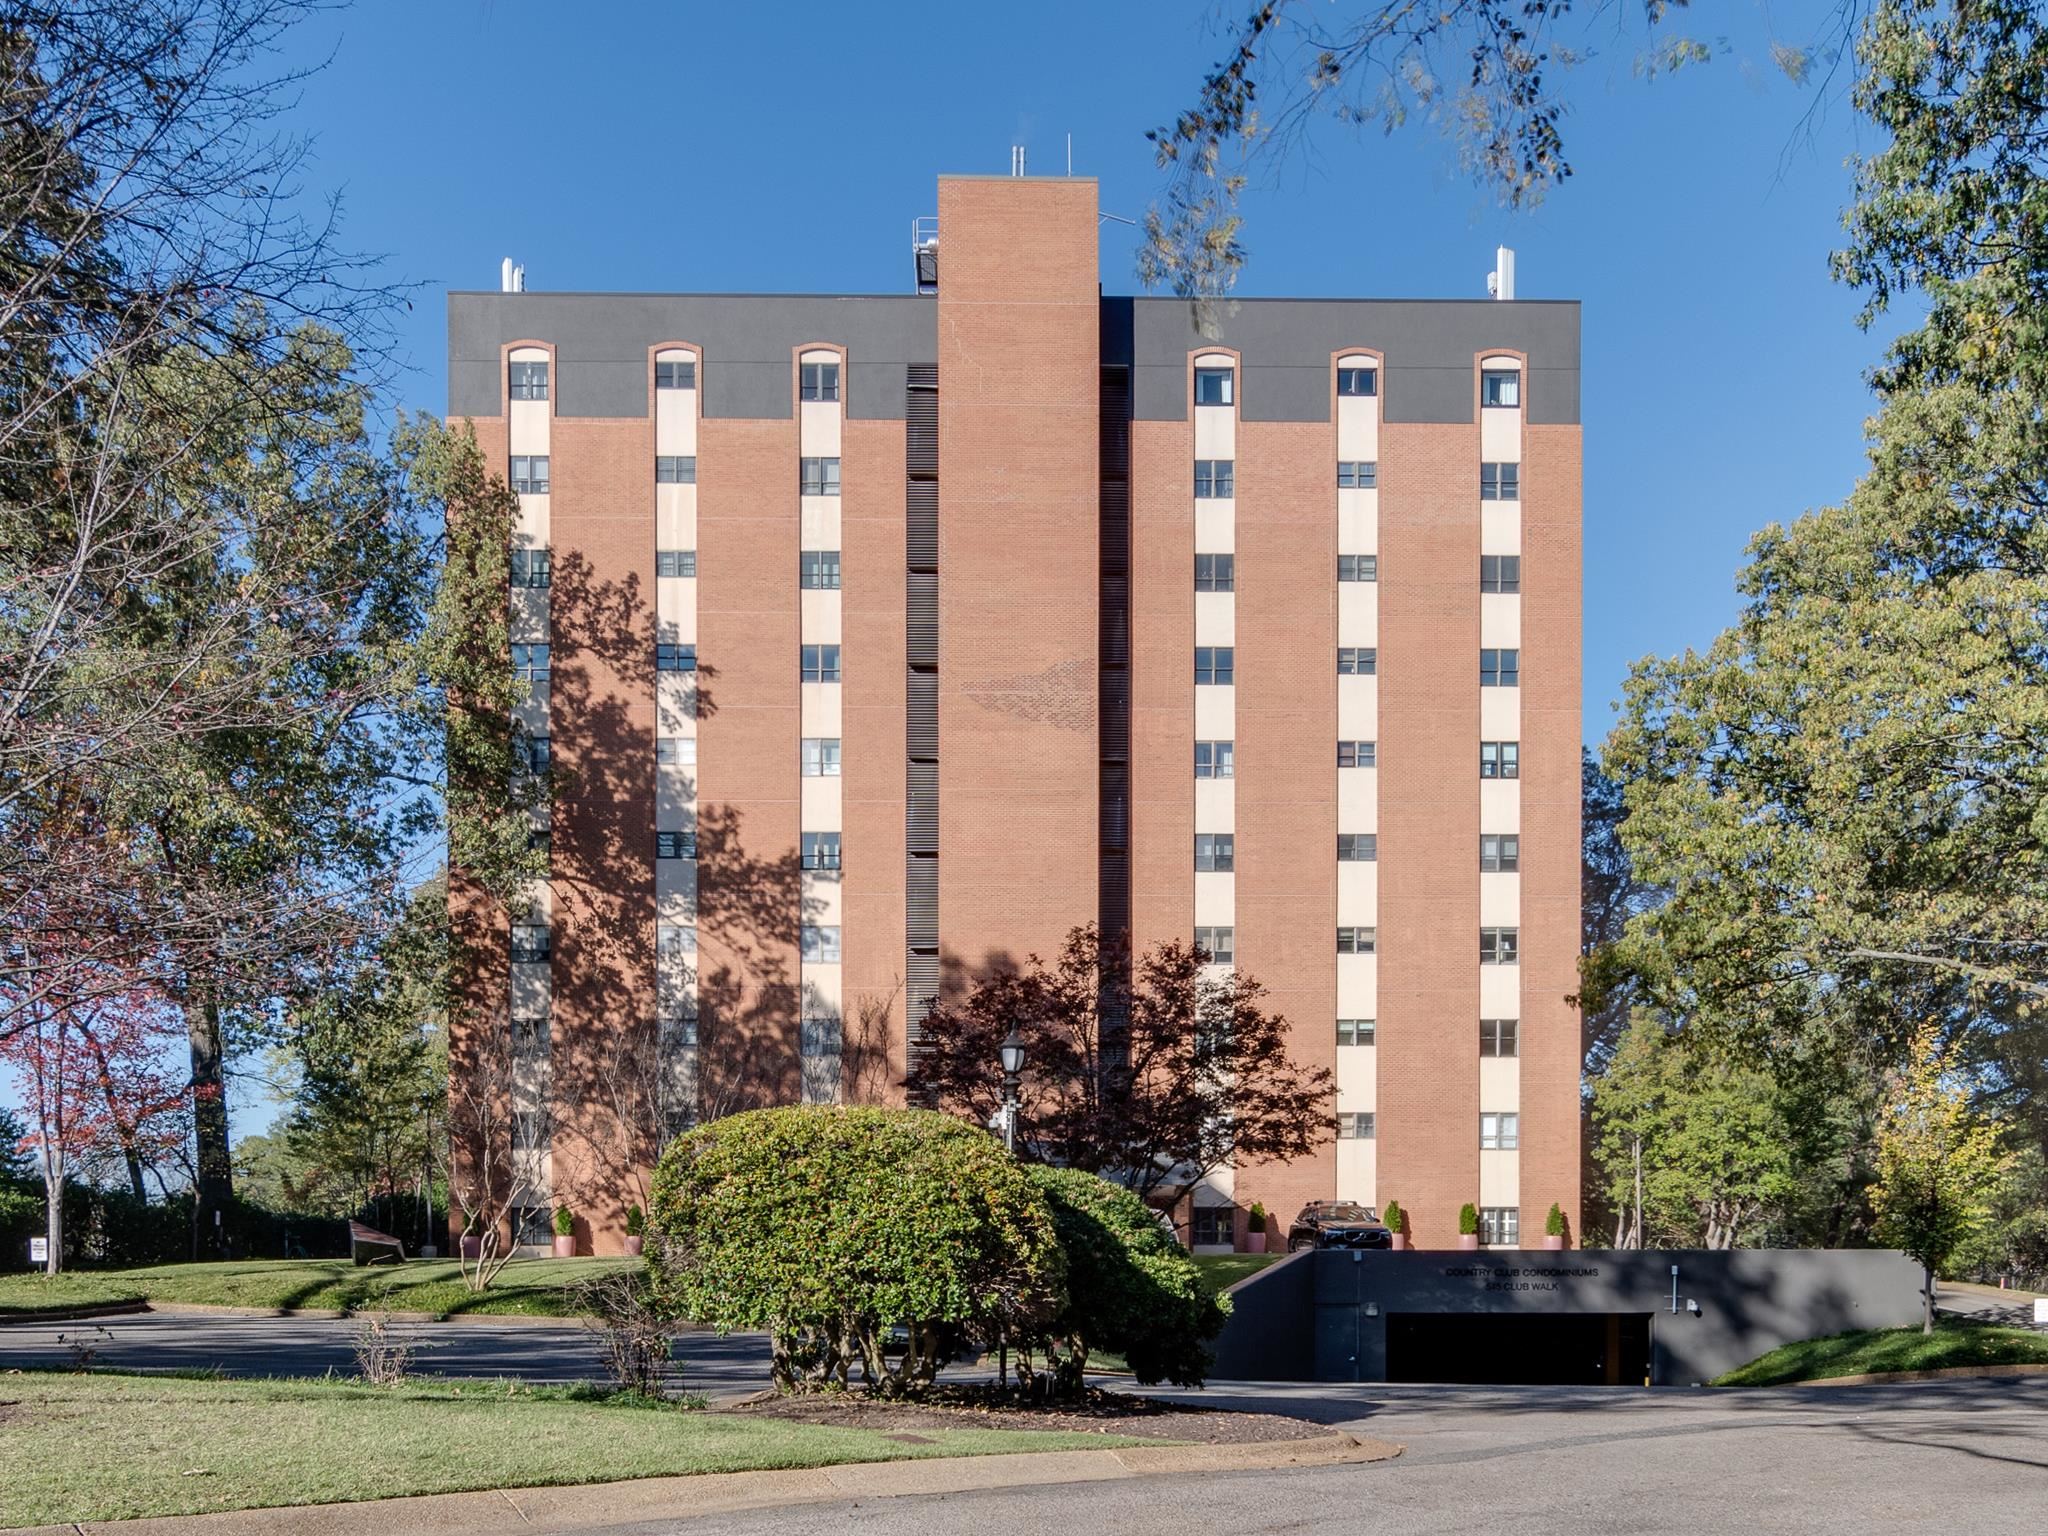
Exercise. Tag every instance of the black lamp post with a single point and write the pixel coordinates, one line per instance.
(1011, 1053)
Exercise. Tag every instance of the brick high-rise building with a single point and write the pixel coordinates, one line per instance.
(879, 639)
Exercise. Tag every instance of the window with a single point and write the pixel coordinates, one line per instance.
(1358, 381)
(530, 475)
(1357, 941)
(820, 1037)
(820, 381)
(675, 470)
(532, 567)
(1215, 852)
(1500, 1037)
(1355, 1127)
(680, 374)
(1500, 759)
(1215, 759)
(540, 840)
(1358, 754)
(679, 1031)
(821, 477)
(1500, 946)
(1357, 474)
(1221, 944)
(1215, 386)
(679, 751)
(675, 658)
(529, 381)
(1500, 1133)
(1500, 482)
(1500, 669)
(821, 757)
(534, 754)
(821, 850)
(1214, 1226)
(820, 945)
(1355, 1031)
(1215, 477)
(1500, 386)
(1500, 1224)
(530, 662)
(675, 562)
(1358, 567)
(1499, 853)
(818, 570)
(1500, 573)
(529, 943)
(821, 664)
(1357, 847)
(530, 1034)
(1357, 660)
(1216, 664)
(1215, 573)
(675, 845)
(672, 941)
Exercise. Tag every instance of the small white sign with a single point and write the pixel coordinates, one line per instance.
(2041, 1311)
(39, 1250)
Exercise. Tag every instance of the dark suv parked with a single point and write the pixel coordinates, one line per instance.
(1338, 1224)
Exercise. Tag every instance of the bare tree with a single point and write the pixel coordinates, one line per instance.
(483, 1158)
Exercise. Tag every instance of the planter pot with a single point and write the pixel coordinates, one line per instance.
(1554, 1244)
(635, 1246)
(565, 1247)
(1468, 1241)
(1255, 1242)
(1400, 1242)
(472, 1247)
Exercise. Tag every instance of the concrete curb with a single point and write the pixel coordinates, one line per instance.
(74, 1314)
(579, 1506)
(318, 1314)
(1942, 1373)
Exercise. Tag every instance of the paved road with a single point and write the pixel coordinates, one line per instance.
(306, 1346)
(1953, 1456)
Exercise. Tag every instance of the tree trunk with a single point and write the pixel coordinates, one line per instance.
(53, 1208)
(1927, 1301)
(214, 1188)
(1638, 1243)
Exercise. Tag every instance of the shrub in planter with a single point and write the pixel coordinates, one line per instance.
(636, 1230)
(565, 1232)
(1468, 1225)
(854, 1236)
(1131, 1289)
(1256, 1222)
(1397, 1222)
(1553, 1227)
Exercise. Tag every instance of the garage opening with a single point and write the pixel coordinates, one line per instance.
(1520, 1349)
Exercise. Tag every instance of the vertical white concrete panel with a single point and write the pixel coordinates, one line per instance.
(1215, 899)
(1500, 900)
(1500, 711)
(1500, 527)
(1358, 799)
(1358, 708)
(1500, 991)
(1216, 618)
(1500, 1183)
(1358, 896)
(1500, 804)
(1358, 988)
(1358, 613)
(1500, 619)
(1215, 711)
(1500, 1083)
(821, 703)
(1215, 804)
(1358, 521)
(1215, 527)
(820, 616)
(821, 804)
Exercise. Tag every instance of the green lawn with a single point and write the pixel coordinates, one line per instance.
(107, 1447)
(527, 1287)
(1220, 1271)
(1890, 1349)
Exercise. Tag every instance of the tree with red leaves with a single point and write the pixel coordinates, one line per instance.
(1153, 1072)
(92, 1073)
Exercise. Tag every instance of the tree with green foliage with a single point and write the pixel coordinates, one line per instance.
(831, 1228)
(1130, 1289)
(1842, 794)
(1693, 1151)
(1938, 1165)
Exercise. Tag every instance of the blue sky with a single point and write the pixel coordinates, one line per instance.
(787, 147)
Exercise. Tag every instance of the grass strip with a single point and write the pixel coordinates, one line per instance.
(114, 1447)
(1870, 1350)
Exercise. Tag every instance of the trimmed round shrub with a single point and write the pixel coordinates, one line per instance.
(1131, 1289)
(877, 1237)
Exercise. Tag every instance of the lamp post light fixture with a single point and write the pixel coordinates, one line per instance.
(1011, 1054)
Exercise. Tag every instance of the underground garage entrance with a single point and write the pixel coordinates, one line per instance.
(1520, 1349)
(1580, 1317)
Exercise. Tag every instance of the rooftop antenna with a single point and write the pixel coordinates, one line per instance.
(511, 278)
(1016, 159)
(1500, 282)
